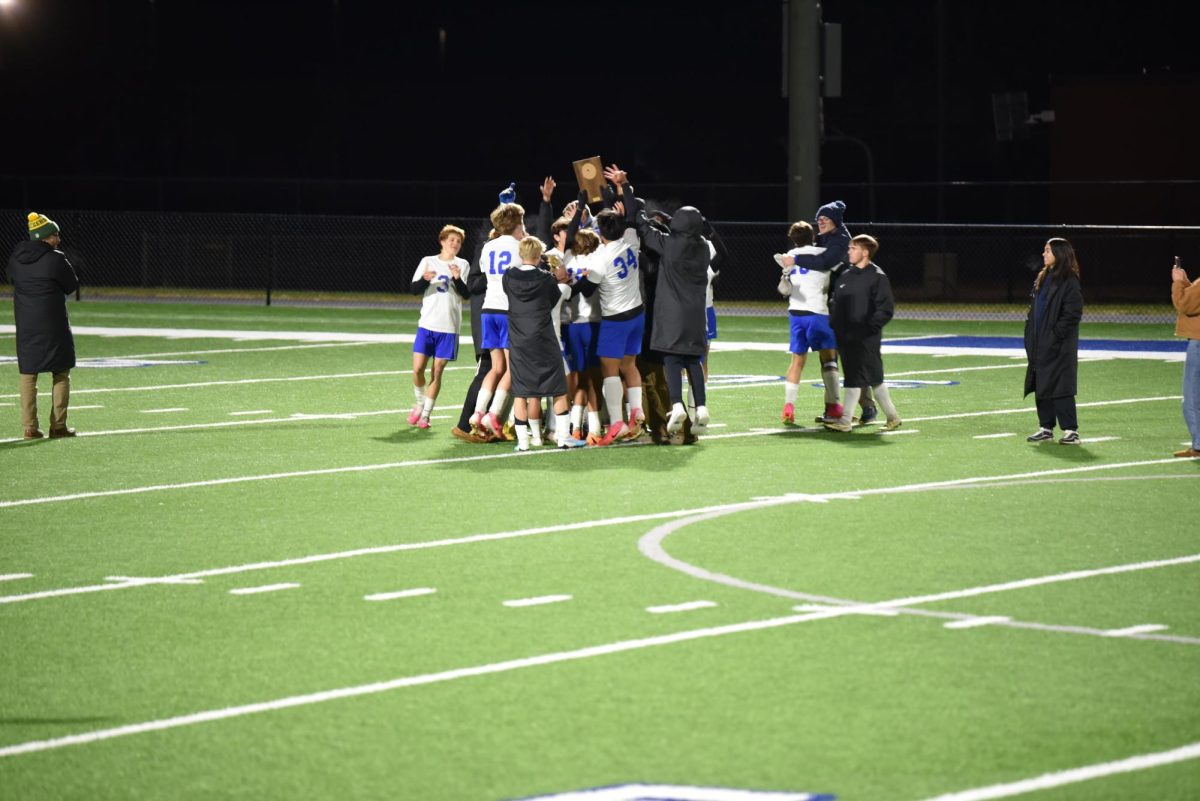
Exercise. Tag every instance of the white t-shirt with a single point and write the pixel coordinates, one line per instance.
(712, 254)
(441, 305)
(810, 288)
(614, 266)
(498, 255)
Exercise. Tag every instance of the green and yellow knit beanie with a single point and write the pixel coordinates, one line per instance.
(41, 226)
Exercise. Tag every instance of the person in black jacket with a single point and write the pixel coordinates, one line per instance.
(680, 323)
(860, 306)
(1052, 342)
(41, 278)
(535, 355)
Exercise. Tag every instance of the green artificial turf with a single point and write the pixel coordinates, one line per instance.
(859, 706)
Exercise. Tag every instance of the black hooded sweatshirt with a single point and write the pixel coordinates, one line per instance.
(679, 300)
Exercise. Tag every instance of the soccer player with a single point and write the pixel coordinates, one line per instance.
(861, 305)
(612, 273)
(535, 354)
(805, 283)
(439, 280)
(497, 256)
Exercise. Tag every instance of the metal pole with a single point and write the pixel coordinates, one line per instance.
(802, 52)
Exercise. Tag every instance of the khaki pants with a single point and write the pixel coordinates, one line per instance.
(60, 397)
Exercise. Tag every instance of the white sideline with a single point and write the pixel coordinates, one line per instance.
(239, 381)
(1060, 778)
(587, 524)
(688, 606)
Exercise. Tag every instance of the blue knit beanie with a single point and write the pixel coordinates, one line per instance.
(833, 211)
(509, 195)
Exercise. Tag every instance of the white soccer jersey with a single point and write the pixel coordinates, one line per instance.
(562, 311)
(810, 288)
(614, 266)
(441, 306)
(581, 308)
(498, 255)
(712, 254)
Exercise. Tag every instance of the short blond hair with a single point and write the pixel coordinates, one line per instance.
(531, 249)
(447, 230)
(506, 217)
(586, 241)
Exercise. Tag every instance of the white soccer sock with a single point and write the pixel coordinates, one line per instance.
(522, 435)
(576, 417)
(498, 401)
(884, 399)
(852, 394)
(535, 431)
(427, 407)
(790, 391)
(635, 397)
(611, 389)
(562, 426)
(419, 394)
(829, 375)
(593, 422)
(482, 400)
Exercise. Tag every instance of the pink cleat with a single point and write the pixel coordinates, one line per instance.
(415, 415)
(614, 433)
(490, 423)
(789, 414)
(423, 423)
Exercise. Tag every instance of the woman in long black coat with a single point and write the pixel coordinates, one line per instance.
(1052, 342)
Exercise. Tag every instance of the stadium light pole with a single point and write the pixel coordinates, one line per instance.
(802, 60)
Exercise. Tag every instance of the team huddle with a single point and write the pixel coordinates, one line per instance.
(601, 316)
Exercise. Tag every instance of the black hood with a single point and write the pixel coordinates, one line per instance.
(29, 251)
(688, 221)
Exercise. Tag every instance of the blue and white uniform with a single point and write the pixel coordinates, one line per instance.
(614, 266)
(808, 303)
(498, 255)
(441, 308)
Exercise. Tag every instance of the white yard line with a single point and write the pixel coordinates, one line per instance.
(683, 607)
(230, 423)
(164, 411)
(238, 350)
(1075, 775)
(975, 622)
(622, 646)
(537, 601)
(263, 588)
(14, 576)
(1029, 409)
(1145, 628)
(253, 411)
(994, 436)
(391, 596)
(242, 381)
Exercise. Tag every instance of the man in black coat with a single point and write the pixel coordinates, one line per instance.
(41, 278)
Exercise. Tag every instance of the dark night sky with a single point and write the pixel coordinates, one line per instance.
(675, 92)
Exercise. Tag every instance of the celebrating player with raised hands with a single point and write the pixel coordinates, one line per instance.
(612, 273)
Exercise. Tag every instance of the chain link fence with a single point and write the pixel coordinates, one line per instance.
(953, 271)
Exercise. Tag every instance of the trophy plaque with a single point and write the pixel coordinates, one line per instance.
(590, 174)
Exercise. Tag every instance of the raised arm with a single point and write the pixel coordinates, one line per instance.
(545, 217)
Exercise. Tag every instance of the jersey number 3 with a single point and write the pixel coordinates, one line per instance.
(625, 264)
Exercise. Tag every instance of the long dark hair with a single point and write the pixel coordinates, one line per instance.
(1064, 260)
